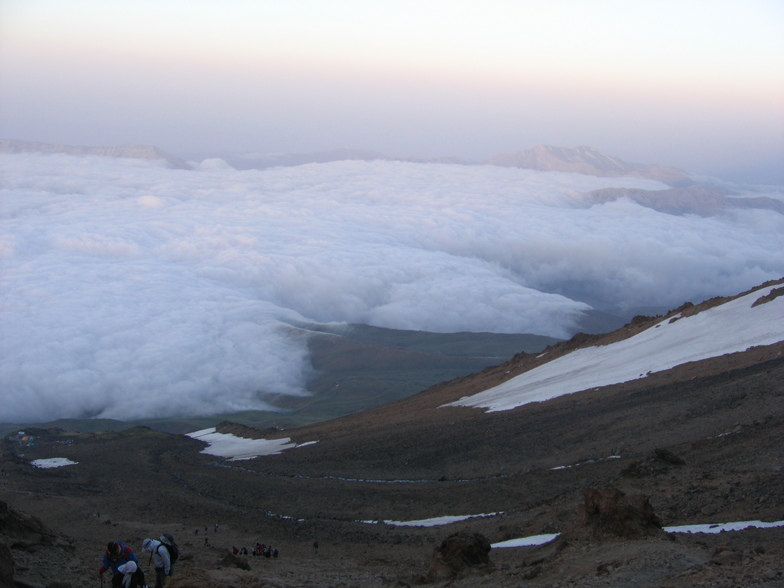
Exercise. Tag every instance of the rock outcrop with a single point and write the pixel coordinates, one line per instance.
(457, 553)
(608, 514)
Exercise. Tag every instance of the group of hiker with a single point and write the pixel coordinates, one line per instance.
(260, 550)
(125, 566)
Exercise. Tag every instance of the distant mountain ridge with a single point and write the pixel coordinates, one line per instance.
(589, 161)
(581, 160)
(130, 151)
(683, 197)
(698, 199)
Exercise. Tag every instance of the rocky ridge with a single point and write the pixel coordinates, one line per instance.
(587, 160)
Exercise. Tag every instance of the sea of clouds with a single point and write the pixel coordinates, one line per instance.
(129, 290)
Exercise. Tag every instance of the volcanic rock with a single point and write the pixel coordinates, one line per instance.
(610, 513)
(456, 553)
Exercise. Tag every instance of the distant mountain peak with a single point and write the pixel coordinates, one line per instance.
(130, 151)
(587, 160)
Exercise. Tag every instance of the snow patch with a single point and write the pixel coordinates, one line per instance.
(238, 448)
(729, 328)
(434, 522)
(526, 541)
(707, 528)
(720, 527)
(52, 462)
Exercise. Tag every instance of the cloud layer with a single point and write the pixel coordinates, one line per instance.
(129, 290)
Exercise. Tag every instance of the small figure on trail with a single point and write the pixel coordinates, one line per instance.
(206, 542)
(117, 554)
(161, 559)
(216, 528)
(132, 575)
(315, 547)
(234, 550)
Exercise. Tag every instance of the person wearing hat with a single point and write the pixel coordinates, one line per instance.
(117, 553)
(160, 558)
(132, 575)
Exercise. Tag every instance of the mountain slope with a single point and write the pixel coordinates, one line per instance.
(523, 469)
(586, 160)
(731, 327)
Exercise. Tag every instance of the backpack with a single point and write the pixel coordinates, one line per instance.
(168, 542)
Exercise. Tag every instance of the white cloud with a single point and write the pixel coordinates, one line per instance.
(129, 290)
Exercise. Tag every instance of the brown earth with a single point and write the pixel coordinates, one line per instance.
(704, 443)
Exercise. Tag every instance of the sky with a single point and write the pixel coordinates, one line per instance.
(129, 290)
(698, 84)
(728, 328)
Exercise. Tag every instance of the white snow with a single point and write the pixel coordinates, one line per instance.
(526, 541)
(708, 528)
(53, 462)
(731, 327)
(238, 448)
(435, 521)
(589, 461)
(718, 528)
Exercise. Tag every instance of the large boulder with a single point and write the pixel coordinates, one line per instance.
(457, 553)
(610, 513)
(21, 527)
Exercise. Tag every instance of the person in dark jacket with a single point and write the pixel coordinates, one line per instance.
(117, 553)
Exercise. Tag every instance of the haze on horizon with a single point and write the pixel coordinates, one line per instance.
(694, 84)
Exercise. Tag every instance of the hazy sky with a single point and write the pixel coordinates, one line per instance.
(693, 83)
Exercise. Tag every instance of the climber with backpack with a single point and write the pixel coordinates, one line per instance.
(163, 554)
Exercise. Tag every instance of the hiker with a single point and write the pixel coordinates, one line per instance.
(161, 559)
(117, 554)
(132, 575)
(315, 547)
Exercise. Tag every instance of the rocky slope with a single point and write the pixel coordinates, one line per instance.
(587, 160)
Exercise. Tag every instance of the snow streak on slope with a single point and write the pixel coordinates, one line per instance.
(238, 448)
(728, 328)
